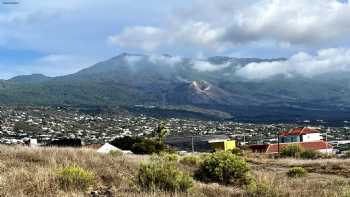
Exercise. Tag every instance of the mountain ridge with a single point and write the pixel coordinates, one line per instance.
(165, 80)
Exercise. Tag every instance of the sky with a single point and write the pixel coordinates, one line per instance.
(62, 37)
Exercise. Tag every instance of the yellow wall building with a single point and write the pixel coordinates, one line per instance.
(222, 145)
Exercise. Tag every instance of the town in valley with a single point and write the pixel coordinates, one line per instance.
(47, 124)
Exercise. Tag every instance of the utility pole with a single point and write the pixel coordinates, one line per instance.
(278, 142)
(192, 145)
(327, 138)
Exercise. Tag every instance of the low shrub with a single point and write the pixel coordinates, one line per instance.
(327, 155)
(75, 178)
(261, 189)
(292, 150)
(237, 151)
(296, 172)
(163, 175)
(310, 154)
(223, 167)
(164, 156)
(295, 150)
(170, 156)
(202, 156)
(191, 160)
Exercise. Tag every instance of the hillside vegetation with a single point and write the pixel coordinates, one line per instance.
(83, 172)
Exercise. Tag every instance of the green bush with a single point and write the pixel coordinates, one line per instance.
(296, 172)
(292, 150)
(75, 178)
(191, 160)
(310, 154)
(139, 145)
(327, 155)
(261, 189)
(295, 150)
(169, 156)
(237, 151)
(147, 147)
(223, 167)
(125, 143)
(163, 175)
(164, 156)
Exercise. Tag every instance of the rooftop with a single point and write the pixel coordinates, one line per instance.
(273, 148)
(298, 131)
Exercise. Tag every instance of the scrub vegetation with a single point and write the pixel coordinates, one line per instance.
(83, 172)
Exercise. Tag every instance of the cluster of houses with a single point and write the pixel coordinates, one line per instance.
(24, 125)
(307, 138)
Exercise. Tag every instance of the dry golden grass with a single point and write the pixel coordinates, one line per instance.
(311, 185)
(33, 172)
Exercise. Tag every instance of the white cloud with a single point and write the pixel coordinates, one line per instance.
(224, 24)
(291, 21)
(133, 59)
(204, 66)
(146, 38)
(78, 27)
(152, 38)
(165, 60)
(326, 61)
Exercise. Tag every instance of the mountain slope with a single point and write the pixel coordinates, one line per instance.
(208, 84)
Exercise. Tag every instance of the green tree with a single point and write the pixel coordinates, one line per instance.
(160, 132)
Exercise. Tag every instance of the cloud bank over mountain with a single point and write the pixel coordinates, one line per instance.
(90, 31)
(223, 24)
(326, 61)
(315, 34)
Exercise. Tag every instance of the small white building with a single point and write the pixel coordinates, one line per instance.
(107, 148)
(30, 142)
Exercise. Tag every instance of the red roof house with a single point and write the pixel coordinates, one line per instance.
(299, 131)
(321, 146)
(307, 138)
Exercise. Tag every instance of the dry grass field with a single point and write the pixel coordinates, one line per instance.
(34, 172)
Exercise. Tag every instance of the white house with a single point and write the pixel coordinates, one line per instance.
(107, 148)
(300, 135)
(307, 138)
